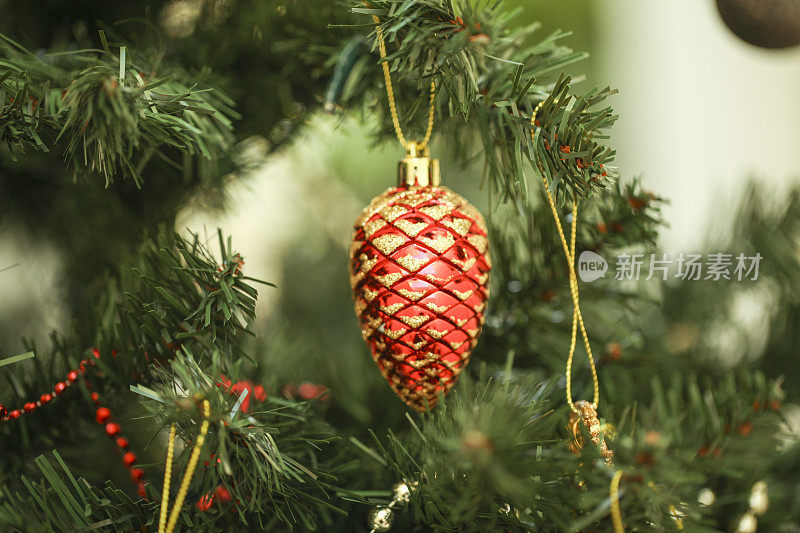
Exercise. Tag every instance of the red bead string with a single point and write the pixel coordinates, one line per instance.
(219, 495)
(113, 430)
(47, 397)
(104, 417)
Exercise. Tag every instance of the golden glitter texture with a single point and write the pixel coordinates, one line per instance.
(410, 228)
(435, 333)
(436, 212)
(465, 265)
(411, 295)
(438, 309)
(391, 309)
(410, 263)
(478, 241)
(441, 243)
(366, 263)
(389, 213)
(438, 281)
(388, 243)
(371, 227)
(414, 321)
(415, 199)
(394, 335)
(462, 295)
(459, 225)
(388, 280)
(370, 295)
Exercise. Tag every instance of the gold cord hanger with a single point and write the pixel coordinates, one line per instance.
(408, 145)
(584, 411)
(577, 316)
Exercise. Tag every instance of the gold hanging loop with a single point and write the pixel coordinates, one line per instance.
(387, 76)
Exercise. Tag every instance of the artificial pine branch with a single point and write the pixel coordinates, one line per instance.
(60, 502)
(491, 76)
(108, 111)
(269, 454)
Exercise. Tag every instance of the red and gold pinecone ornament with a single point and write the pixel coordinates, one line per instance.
(419, 268)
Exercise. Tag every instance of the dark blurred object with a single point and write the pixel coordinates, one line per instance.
(764, 23)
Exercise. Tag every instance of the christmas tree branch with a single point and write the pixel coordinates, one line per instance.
(267, 452)
(60, 502)
(491, 76)
(108, 111)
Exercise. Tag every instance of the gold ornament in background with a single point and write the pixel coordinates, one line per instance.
(706, 497)
(747, 523)
(381, 518)
(759, 499)
(401, 492)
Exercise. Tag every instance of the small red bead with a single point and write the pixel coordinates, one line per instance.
(205, 502)
(122, 442)
(72, 376)
(222, 495)
(137, 474)
(14, 414)
(30, 406)
(260, 393)
(96, 353)
(103, 415)
(59, 388)
(129, 459)
(45, 398)
(112, 429)
(95, 397)
(141, 488)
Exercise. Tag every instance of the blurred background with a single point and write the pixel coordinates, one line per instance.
(701, 113)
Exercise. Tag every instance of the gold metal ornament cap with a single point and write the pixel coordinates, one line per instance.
(418, 169)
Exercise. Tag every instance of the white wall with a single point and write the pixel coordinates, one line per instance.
(701, 110)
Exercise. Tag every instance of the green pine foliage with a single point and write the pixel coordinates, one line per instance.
(172, 320)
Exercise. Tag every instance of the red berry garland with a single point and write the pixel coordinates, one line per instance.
(58, 389)
(102, 416)
(220, 495)
(253, 390)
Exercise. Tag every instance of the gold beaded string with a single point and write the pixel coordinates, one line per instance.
(162, 520)
(577, 316)
(187, 476)
(390, 96)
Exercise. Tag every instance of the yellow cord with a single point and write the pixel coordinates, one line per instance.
(162, 520)
(577, 317)
(616, 513)
(187, 476)
(390, 95)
